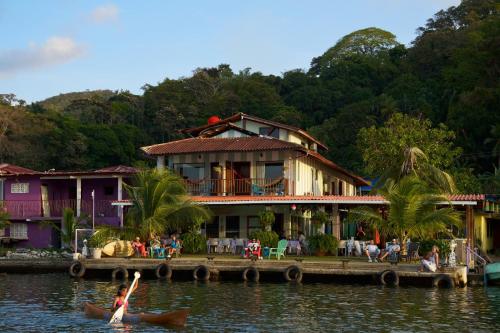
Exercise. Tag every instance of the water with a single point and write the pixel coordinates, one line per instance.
(53, 303)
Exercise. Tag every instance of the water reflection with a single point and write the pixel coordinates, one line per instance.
(53, 303)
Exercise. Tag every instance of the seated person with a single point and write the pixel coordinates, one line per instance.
(174, 245)
(427, 264)
(139, 248)
(392, 248)
(253, 247)
(155, 245)
(372, 250)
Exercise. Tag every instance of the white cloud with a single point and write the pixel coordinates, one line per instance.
(104, 14)
(56, 50)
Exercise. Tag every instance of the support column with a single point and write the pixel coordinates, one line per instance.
(78, 196)
(336, 221)
(287, 221)
(120, 197)
(160, 162)
(469, 223)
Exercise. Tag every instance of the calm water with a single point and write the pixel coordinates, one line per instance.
(53, 303)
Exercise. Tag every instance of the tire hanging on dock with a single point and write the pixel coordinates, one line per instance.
(293, 273)
(389, 278)
(163, 271)
(443, 281)
(120, 273)
(201, 273)
(251, 274)
(77, 269)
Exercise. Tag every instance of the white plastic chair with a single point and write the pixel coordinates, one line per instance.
(224, 245)
(213, 244)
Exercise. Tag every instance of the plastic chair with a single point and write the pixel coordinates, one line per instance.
(213, 243)
(280, 250)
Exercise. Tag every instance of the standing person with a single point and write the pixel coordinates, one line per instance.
(120, 297)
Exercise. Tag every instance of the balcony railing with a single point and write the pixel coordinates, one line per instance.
(55, 208)
(242, 186)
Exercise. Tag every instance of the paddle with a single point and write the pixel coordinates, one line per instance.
(117, 316)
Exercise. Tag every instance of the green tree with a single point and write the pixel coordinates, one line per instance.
(159, 204)
(68, 226)
(415, 211)
(384, 146)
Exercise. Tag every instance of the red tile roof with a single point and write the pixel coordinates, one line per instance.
(10, 169)
(207, 145)
(117, 169)
(467, 197)
(240, 116)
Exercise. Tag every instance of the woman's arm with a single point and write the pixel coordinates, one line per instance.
(437, 259)
(114, 304)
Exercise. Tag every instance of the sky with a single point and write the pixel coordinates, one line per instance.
(53, 47)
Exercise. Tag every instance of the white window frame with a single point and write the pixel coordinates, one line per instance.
(20, 188)
(18, 230)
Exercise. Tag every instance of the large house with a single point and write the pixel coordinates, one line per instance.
(30, 197)
(243, 164)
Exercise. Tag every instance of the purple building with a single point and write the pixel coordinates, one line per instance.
(30, 197)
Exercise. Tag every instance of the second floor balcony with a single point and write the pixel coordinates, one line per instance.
(39, 209)
(241, 186)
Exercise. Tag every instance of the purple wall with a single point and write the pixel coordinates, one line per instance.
(23, 204)
(37, 237)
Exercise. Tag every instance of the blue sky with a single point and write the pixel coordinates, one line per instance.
(52, 47)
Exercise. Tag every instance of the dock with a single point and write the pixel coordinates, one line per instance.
(227, 269)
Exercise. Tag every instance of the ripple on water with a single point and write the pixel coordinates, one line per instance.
(53, 303)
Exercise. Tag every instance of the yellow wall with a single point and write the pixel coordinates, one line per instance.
(481, 233)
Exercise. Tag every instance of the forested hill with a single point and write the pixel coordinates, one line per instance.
(446, 81)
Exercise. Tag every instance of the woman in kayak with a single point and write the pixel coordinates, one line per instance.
(120, 296)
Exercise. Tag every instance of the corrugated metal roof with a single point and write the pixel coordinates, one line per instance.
(10, 169)
(207, 145)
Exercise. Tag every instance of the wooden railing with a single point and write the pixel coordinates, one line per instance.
(55, 208)
(242, 186)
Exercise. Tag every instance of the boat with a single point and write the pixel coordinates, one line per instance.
(175, 318)
(118, 248)
(492, 273)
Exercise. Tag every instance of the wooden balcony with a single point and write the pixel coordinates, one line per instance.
(242, 186)
(54, 208)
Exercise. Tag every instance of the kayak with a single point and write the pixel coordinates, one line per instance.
(174, 318)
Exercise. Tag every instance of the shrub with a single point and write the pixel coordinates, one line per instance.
(267, 238)
(267, 219)
(323, 243)
(442, 244)
(193, 242)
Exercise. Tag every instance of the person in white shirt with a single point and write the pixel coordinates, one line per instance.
(392, 248)
(372, 250)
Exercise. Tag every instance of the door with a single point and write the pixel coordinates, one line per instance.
(242, 181)
(279, 220)
(44, 189)
(215, 178)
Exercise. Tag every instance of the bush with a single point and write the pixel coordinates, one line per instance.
(442, 244)
(193, 242)
(323, 243)
(267, 238)
(267, 219)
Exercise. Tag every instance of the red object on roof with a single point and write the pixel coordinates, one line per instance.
(212, 120)
(10, 169)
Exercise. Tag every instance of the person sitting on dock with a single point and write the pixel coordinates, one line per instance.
(120, 296)
(372, 250)
(435, 255)
(392, 249)
(428, 265)
(139, 248)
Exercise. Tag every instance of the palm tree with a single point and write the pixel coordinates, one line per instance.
(4, 218)
(413, 211)
(68, 226)
(415, 162)
(159, 203)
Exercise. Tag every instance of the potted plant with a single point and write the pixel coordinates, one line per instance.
(319, 218)
(97, 242)
(323, 244)
(266, 218)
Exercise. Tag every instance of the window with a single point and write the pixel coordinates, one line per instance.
(20, 188)
(192, 171)
(19, 230)
(341, 187)
(109, 190)
(253, 224)
(273, 170)
(212, 230)
(233, 226)
(270, 131)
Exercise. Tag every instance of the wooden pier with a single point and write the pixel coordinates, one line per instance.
(220, 268)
